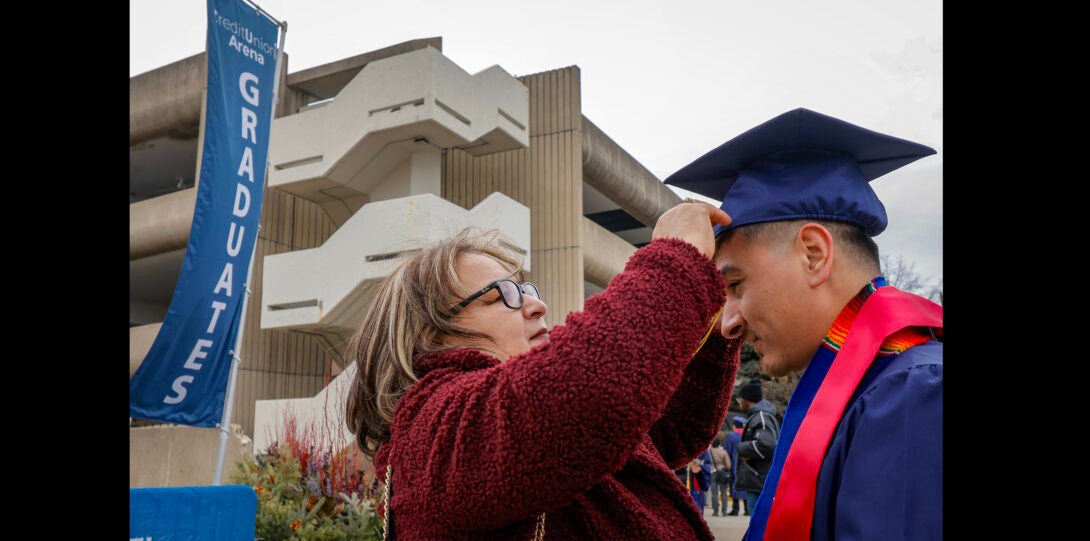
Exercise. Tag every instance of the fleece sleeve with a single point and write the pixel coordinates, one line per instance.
(695, 412)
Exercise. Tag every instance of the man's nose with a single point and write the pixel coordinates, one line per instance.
(732, 325)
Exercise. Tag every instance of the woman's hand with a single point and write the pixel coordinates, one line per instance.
(692, 222)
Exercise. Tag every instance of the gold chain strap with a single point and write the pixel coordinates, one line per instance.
(539, 531)
(386, 502)
(711, 327)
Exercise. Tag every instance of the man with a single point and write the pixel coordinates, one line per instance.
(698, 479)
(804, 287)
(730, 444)
(757, 444)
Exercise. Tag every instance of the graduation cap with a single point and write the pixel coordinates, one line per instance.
(800, 164)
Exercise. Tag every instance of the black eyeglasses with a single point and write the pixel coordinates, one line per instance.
(510, 291)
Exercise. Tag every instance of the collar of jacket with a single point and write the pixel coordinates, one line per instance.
(461, 358)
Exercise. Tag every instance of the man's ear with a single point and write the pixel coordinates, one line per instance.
(817, 245)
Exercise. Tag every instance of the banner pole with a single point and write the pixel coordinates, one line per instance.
(236, 360)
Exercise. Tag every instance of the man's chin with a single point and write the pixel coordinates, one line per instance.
(773, 366)
(778, 367)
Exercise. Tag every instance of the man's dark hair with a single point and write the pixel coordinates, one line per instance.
(857, 246)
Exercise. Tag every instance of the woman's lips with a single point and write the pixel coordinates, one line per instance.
(540, 337)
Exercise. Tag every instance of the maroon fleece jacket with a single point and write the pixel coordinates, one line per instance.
(587, 428)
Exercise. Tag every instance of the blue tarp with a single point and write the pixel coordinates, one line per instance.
(208, 513)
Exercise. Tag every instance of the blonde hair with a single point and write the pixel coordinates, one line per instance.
(406, 320)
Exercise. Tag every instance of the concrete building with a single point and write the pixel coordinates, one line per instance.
(367, 156)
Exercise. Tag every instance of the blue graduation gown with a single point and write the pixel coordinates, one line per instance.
(699, 482)
(881, 477)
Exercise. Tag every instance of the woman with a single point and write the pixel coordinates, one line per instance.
(494, 426)
(721, 474)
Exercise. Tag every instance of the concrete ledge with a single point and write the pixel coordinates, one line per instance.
(604, 254)
(329, 287)
(351, 144)
(167, 101)
(176, 456)
(161, 224)
(612, 170)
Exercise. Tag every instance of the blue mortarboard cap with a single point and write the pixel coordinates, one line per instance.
(801, 164)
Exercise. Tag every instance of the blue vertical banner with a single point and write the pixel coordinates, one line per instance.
(184, 377)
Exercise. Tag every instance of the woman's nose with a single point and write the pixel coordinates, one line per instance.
(534, 307)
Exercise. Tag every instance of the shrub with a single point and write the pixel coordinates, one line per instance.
(308, 490)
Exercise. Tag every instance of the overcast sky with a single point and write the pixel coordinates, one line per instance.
(667, 80)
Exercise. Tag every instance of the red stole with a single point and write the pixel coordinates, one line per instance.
(886, 311)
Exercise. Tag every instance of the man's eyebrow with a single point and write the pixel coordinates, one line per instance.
(724, 269)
